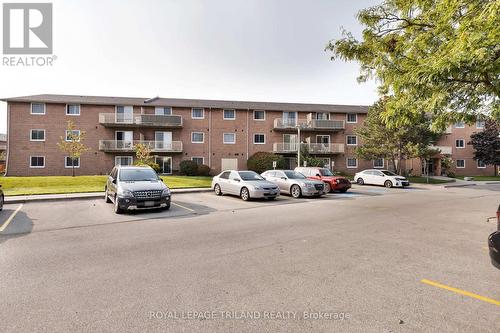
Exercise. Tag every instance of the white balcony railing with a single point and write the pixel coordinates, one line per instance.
(312, 124)
(311, 148)
(128, 146)
(445, 150)
(147, 120)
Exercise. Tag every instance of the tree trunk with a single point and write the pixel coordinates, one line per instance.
(72, 168)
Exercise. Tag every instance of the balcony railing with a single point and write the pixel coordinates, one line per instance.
(128, 146)
(312, 124)
(311, 148)
(445, 150)
(139, 120)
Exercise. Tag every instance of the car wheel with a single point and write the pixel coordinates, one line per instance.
(217, 189)
(106, 196)
(360, 181)
(295, 191)
(118, 210)
(244, 194)
(328, 188)
(388, 184)
(1, 201)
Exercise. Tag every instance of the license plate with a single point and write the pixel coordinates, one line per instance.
(149, 203)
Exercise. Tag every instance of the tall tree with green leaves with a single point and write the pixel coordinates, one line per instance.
(394, 144)
(487, 144)
(435, 56)
(72, 144)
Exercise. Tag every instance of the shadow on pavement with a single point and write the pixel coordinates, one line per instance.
(20, 226)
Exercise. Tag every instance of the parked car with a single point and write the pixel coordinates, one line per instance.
(245, 184)
(380, 177)
(494, 243)
(332, 182)
(2, 198)
(294, 183)
(136, 187)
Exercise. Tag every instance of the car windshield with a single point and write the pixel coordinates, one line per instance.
(325, 172)
(388, 173)
(250, 175)
(294, 175)
(138, 175)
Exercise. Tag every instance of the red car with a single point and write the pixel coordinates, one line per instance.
(332, 182)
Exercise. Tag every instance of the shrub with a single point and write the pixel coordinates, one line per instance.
(262, 161)
(203, 170)
(188, 168)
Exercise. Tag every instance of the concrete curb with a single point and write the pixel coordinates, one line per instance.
(82, 196)
(459, 185)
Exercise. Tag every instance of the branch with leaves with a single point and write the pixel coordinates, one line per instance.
(72, 144)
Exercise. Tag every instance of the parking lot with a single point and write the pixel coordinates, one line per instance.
(392, 259)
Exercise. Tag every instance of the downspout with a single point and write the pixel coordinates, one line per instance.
(248, 148)
(210, 138)
(8, 140)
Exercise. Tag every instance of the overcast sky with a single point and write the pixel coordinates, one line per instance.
(263, 50)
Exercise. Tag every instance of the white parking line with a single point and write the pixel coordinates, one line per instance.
(11, 217)
(181, 206)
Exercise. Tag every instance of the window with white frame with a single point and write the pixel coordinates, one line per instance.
(197, 137)
(37, 108)
(352, 140)
(123, 160)
(229, 138)
(481, 164)
(73, 110)
(229, 114)
(352, 162)
(259, 138)
(198, 160)
(259, 115)
(460, 124)
(71, 134)
(37, 135)
(460, 143)
(460, 164)
(163, 110)
(352, 118)
(378, 163)
(70, 162)
(480, 124)
(197, 113)
(37, 161)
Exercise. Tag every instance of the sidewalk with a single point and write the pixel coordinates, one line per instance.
(78, 196)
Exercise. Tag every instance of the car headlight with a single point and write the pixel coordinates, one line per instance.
(165, 192)
(125, 193)
(257, 188)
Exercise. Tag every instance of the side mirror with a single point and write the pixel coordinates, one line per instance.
(113, 180)
(284, 178)
(318, 175)
(236, 179)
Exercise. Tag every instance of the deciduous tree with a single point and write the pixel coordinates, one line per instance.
(487, 144)
(72, 144)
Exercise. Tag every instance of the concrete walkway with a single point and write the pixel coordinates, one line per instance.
(76, 196)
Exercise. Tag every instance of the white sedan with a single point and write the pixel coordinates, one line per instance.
(380, 177)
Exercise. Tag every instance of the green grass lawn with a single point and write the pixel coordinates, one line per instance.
(67, 184)
(423, 180)
(482, 178)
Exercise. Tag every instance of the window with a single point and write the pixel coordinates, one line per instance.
(124, 114)
(73, 110)
(352, 118)
(460, 164)
(71, 162)
(259, 115)
(481, 164)
(37, 135)
(378, 163)
(198, 160)
(352, 140)
(352, 162)
(259, 139)
(37, 161)
(70, 135)
(460, 143)
(37, 108)
(480, 124)
(322, 116)
(229, 114)
(197, 137)
(229, 138)
(198, 113)
(460, 124)
(123, 160)
(163, 110)
(225, 175)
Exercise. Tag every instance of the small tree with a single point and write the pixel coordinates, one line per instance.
(72, 144)
(487, 144)
(311, 161)
(143, 156)
(262, 161)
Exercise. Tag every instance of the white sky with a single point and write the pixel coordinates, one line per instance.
(264, 50)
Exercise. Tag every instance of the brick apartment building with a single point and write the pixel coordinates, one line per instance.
(220, 134)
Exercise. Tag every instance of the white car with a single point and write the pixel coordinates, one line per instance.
(245, 184)
(380, 177)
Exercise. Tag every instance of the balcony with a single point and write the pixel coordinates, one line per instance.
(116, 146)
(309, 125)
(311, 148)
(140, 120)
(445, 150)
